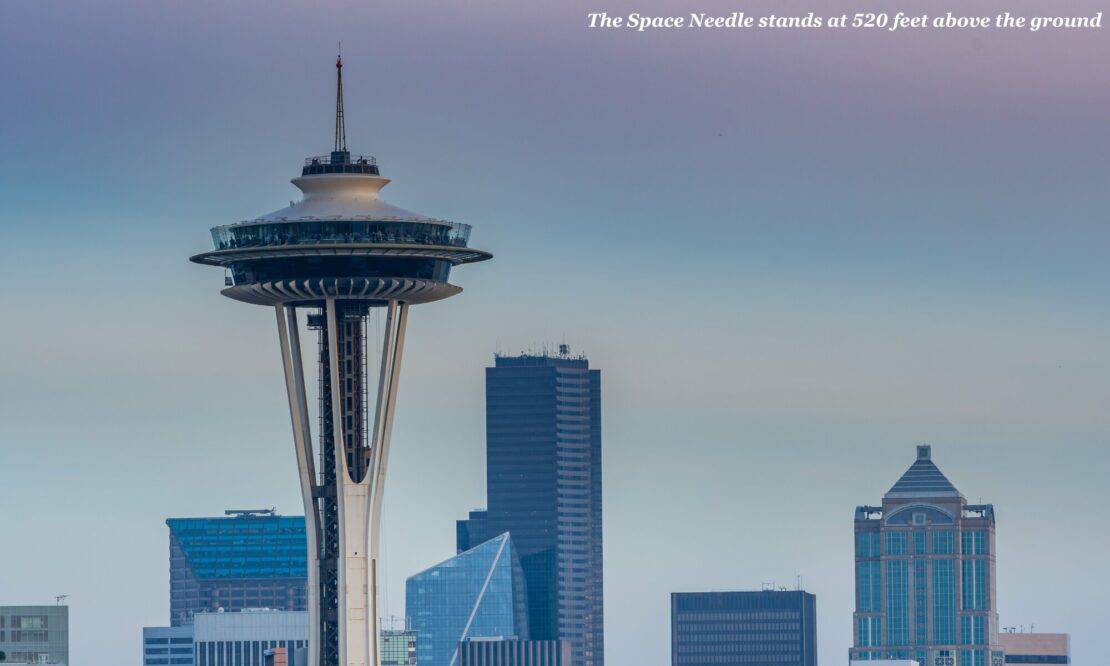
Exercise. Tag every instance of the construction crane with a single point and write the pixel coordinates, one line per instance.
(60, 598)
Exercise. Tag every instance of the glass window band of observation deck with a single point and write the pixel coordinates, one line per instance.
(317, 232)
(270, 270)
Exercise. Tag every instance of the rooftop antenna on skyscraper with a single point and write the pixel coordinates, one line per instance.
(60, 598)
(340, 125)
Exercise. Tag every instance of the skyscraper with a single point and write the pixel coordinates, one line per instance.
(760, 628)
(925, 574)
(543, 486)
(478, 593)
(346, 256)
(247, 559)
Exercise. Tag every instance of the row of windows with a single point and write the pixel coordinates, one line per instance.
(739, 615)
(745, 626)
(25, 621)
(176, 650)
(900, 543)
(740, 648)
(738, 659)
(735, 636)
(975, 588)
(34, 636)
(239, 653)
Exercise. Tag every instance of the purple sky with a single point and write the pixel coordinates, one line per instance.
(794, 255)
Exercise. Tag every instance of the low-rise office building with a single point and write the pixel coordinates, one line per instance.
(35, 634)
(168, 646)
(228, 639)
(768, 627)
(1030, 648)
(513, 652)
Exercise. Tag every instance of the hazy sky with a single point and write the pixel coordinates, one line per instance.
(793, 256)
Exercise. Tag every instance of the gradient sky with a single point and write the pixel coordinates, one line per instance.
(794, 256)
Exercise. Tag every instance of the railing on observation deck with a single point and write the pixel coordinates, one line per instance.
(270, 234)
(340, 162)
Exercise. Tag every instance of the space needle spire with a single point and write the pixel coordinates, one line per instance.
(341, 255)
(340, 124)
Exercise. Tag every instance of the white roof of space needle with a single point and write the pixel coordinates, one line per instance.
(342, 196)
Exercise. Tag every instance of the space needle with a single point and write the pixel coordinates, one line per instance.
(348, 260)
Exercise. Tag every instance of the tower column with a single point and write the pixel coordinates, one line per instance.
(360, 485)
(289, 340)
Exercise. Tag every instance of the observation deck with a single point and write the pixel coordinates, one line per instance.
(340, 161)
(341, 240)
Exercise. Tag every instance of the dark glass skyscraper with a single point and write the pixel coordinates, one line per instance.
(543, 485)
(769, 628)
(252, 559)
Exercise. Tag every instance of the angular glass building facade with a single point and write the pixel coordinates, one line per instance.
(759, 628)
(925, 574)
(251, 559)
(478, 593)
(543, 486)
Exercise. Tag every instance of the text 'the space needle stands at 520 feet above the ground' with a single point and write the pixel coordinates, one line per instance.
(345, 256)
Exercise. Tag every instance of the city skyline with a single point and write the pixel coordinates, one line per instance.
(872, 242)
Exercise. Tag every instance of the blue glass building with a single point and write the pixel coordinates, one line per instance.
(925, 574)
(478, 593)
(249, 559)
(767, 628)
(543, 486)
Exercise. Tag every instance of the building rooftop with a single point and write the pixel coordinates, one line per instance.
(248, 545)
(923, 479)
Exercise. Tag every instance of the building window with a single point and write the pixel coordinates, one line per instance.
(974, 543)
(944, 602)
(895, 543)
(869, 631)
(897, 601)
(868, 585)
(867, 544)
(974, 579)
(918, 543)
(944, 542)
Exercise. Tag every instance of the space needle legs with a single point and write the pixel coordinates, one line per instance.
(359, 475)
